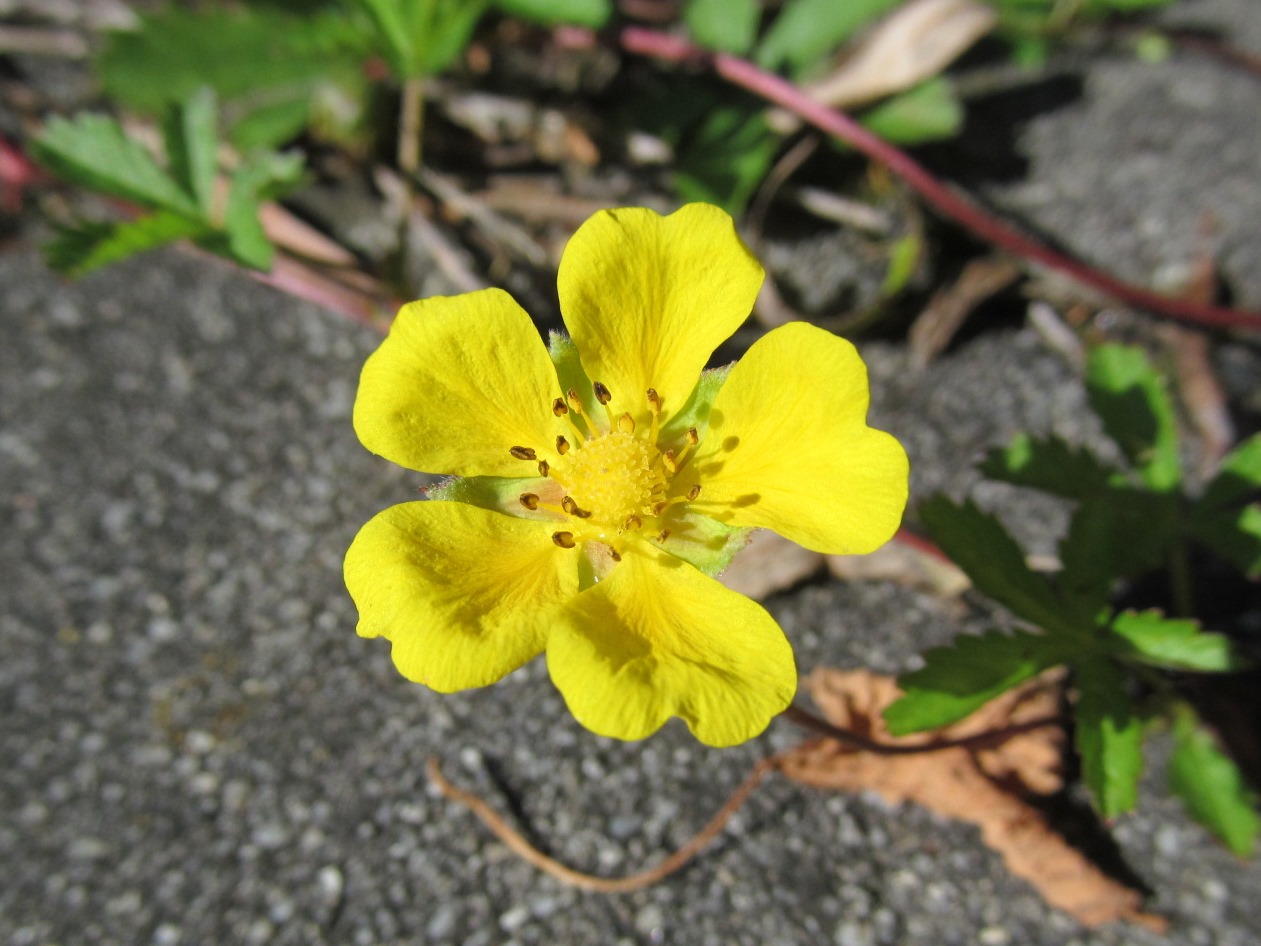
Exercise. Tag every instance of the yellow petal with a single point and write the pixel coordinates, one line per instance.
(459, 381)
(656, 639)
(789, 448)
(465, 595)
(648, 298)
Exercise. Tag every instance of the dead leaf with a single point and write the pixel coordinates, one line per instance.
(769, 563)
(979, 785)
(905, 564)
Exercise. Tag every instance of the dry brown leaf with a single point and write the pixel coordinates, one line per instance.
(976, 785)
(769, 563)
(902, 562)
(951, 306)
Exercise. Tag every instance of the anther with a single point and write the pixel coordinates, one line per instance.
(626, 424)
(694, 491)
(632, 523)
(544, 468)
(564, 539)
(529, 501)
(601, 393)
(654, 401)
(693, 438)
(659, 508)
(575, 403)
(571, 507)
(613, 554)
(669, 461)
(662, 535)
(523, 453)
(562, 445)
(559, 407)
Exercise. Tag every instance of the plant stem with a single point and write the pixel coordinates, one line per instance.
(411, 126)
(782, 92)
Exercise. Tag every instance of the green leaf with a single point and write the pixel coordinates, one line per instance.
(1227, 517)
(904, 256)
(808, 30)
(1109, 736)
(1151, 638)
(88, 246)
(1130, 398)
(929, 111)
(1048, 464)
(1123, 533)
(589, 13)
(977, 543)
(724, 160)
(729, 26)
(263, 63)
(188, 131)
(1211, 785)
(399, 42)
(93, 151)
(257, 180)
(448, 34)
(957, 680)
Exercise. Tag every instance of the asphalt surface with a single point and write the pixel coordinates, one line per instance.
(198, 749)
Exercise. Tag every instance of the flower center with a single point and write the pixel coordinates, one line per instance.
(607, 478)
(616, 475)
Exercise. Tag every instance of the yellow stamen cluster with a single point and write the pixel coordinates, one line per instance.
(613, 476)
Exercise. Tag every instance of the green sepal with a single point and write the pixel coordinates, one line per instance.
(1211, 785)
(1109, 736)
(1151, 638)
(695, 410)
(960, 678)
(570, 373)
(1129, 396)
(703, 542)
(497, 493)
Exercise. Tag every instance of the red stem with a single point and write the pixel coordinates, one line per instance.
(783, 93)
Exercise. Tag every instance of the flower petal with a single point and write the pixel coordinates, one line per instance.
(656, 639)
(789, 449)
(465, 595)
(458, 382)
(648, 298)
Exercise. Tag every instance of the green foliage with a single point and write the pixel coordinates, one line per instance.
(422, 37)
(926, 112)
(1211, 785)
(275, 73)
(725, 158)
(807, 31)
(590, 13)
(726, 25)
(1128, 521)
(93, 151)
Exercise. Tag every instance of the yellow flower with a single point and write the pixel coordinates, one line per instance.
(599, 484)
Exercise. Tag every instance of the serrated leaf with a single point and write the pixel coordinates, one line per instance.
(1130, 398)
(805, 31)
(449, 32)
(729, 26)
(188, 131)
(957, 680)
(725, 157)
(264, 64)
(977, 543)
(929, 111)
(1227, 517)
(1048, 464)
(1151, 638)
(1123, 533)
(1109, 736)
(88, 246)
(399, 44)
(94, 152)
(257, 180)
(589, 13)
(1211, 785)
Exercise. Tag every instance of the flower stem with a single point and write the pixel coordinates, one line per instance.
(947, 201)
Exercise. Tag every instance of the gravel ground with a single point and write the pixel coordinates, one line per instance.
(197, 748)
